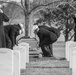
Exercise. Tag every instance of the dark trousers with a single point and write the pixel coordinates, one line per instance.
(51, 49)
(47, 50)
(46, 46)
(8, 41)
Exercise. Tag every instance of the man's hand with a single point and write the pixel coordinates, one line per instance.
(38, 45)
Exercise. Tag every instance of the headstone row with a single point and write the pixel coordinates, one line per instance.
(12, 61)
(70, 52)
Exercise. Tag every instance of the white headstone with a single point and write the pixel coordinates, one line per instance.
(72, 45)
(19, 37)
(6, 61)
(23, 55)
(67, 49)
(16, 62)
(74, 61)
(69, 46)
(27, 50)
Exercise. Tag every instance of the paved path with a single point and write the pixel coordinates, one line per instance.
(49, 65)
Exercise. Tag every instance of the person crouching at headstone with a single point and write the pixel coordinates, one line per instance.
(4, 18)
(46, 38)
(12, 31)
(55, 31)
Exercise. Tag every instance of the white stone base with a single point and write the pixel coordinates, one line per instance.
(23, 55)
(6, 61)
(74, 61)
(69, 48)
(26, 45)
(16, 62)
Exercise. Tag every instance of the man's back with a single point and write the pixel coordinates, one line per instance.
(52, 29)
(12, 31)
(7, 28)
(11, 28)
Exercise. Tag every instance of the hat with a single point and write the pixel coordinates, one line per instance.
(35, 27)
(21, 31)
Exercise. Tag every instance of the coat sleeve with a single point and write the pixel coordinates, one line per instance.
(54, 30)
(5, 18)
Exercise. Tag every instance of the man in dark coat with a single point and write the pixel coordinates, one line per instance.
(52, 29)
(56, 32)
(11, 32)
(46, 37)
(4, 18)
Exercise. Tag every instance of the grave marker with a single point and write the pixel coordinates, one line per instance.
(27, 50)
(6, 61)
(71, 46)
(67, 49)
(74, 61)
(16, 62)
(23, 55)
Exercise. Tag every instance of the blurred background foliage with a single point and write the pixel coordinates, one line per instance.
(59, 11)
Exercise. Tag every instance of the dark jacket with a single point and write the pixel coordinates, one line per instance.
(4, 18)
(52, 29)
(46, 37)
(13, 32)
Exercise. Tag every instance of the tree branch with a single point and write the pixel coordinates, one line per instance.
(12, 3)
(71, 37)
(43, 5)
(22, 4)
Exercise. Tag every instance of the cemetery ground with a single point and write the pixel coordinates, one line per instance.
(49, 65)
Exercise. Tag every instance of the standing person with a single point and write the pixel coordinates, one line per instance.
(46, 38)
(4, 18)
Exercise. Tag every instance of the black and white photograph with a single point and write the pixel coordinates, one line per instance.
(37, 37)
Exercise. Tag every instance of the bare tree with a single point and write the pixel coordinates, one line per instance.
(29, 8)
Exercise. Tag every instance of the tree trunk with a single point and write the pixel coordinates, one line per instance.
(66, 35)
(49, 22)
(27, 8)
(27, 26)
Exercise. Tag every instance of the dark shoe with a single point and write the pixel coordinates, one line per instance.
(47, 56)
(62, 59)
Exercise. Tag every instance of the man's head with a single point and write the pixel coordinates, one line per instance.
(21, 25)
(35, 29)
(1, 6)
(1, 11)
(20, 28)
